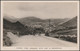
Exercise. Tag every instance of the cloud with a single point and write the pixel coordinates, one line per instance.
(41, 9)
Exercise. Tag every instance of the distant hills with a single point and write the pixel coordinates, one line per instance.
(44, 22)
(30, 20)
(63, 27)
(70, 23)
(34, 20)
(69, 27)
(21, 24)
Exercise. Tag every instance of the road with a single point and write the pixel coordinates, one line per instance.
(41, 41)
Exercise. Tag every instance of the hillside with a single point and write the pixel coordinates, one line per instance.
(70, 23)
(7, 24)
(67, 30)
(30, 20)
(44, 22)
(10, 18)
(13, 27)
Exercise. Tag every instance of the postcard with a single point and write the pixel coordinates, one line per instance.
(40, 25)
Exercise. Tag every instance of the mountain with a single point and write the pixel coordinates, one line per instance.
(69, 27)
(44, 22)
(10, 18)
(7, 24)
(57, 21)
(13, 27)
(70, 23)
(66, 31)
(30, 20)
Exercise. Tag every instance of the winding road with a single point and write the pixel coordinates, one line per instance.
(38, 41)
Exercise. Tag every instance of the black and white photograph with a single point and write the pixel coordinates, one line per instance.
(40, 24)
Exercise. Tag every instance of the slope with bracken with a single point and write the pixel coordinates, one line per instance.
(67, 30)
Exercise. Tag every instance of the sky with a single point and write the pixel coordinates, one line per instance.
(43, 10)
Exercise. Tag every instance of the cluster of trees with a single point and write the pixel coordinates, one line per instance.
(34, 30)
(6, 39)
(67, 33)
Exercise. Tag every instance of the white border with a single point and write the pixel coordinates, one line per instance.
(22, 48)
